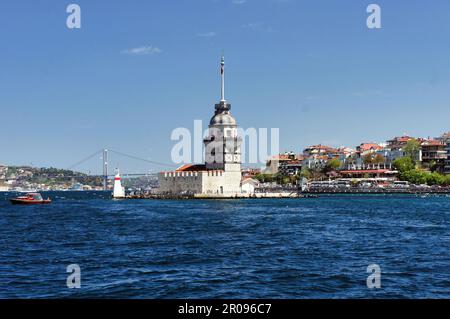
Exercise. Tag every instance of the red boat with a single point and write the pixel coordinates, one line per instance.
(30, 199)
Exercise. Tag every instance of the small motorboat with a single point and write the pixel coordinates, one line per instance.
(30, 199)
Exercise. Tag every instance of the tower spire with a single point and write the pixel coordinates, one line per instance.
(222, 75)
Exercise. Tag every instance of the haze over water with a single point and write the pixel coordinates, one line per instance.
(273, 248)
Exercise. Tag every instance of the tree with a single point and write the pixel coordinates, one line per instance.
(447, 180)
(412, 149)
(373, 158)
(379, 159)
(435, 179)
(332, 165)
(416, 176)
(433, 166)
(306, 172)
(264, 178)
(404, 164)
(367, 159)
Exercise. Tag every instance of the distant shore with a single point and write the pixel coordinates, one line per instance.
(379, 191)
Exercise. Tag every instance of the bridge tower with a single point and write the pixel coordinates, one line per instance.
(105, 169)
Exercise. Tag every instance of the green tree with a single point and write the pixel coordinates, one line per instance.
(332, 165)
(306, 173)
(433, 166)
(417, 176)
(414, 176)
(447, 180)
(435, 179)
(404, 164)
(264, 178)
(412, 149)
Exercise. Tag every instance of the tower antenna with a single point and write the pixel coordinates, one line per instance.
(222, 75)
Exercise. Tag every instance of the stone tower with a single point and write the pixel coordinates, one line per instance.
(223, 145)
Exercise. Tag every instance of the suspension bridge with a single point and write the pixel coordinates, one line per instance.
(104, 153)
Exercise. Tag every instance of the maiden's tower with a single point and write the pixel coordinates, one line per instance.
(220, 175)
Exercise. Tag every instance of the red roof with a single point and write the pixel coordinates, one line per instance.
(191, 168)
(404, 138)
(432, 143)
(287, 157)
(365, 171)
(369, 146)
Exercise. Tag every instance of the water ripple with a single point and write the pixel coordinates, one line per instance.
(296, 248)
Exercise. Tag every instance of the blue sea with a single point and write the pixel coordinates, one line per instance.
(269, 248)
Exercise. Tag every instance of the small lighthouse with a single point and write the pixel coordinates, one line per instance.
(119, 191)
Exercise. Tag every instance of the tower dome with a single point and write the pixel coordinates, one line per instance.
(222, 119)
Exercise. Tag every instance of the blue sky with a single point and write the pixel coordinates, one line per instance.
(311, 68)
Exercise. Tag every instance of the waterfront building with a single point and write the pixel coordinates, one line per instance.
(315, 162)
(446, 140)
(395, 147)
(434, 152)
(367, 148)
(320, 150)
(274, 162)
(390, 155)
(346, 152)
(3, 171)
(4, 187)
(447, 164)
(248, 185)
(288, 163)
(292, 167)
(250, 172)
(398, 143)
(370, 171)
(221, 173)
(316, 156)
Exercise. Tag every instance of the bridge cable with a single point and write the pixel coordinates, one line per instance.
(85, 159)
(143, 159)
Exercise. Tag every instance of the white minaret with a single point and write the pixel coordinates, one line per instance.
(119, 191)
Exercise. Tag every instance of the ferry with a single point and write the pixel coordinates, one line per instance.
(30, 199)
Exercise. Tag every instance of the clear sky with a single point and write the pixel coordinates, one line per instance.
(138, 69)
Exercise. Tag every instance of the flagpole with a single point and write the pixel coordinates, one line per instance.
(222, 73)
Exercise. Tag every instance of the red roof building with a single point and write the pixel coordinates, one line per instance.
(365, 148)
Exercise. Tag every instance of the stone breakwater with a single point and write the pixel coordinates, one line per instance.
(215, 196)
(295, 194)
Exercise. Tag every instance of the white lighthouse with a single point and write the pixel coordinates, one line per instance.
(119, 191)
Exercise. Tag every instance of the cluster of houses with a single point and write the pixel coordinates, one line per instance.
(3, 171)
(9, 178)
(22, 179)
(368, 160)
